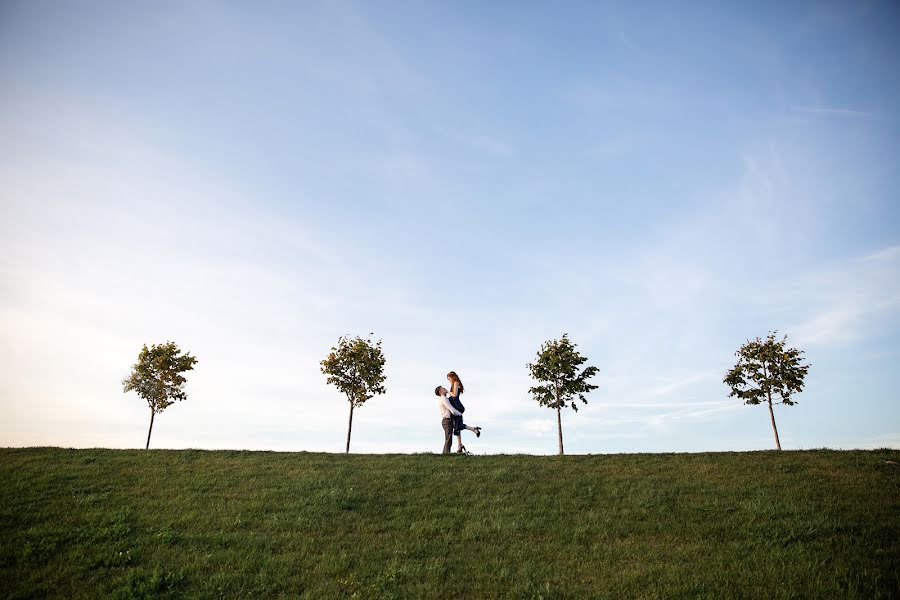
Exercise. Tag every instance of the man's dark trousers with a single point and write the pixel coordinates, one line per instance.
(447, 424)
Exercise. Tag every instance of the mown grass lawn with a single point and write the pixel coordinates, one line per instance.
(114, 523)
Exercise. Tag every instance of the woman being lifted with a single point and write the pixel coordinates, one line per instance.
(457, 388)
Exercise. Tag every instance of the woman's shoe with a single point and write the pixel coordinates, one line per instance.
(461, 450)
(478, 432)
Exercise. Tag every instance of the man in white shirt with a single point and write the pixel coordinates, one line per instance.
(447, 412)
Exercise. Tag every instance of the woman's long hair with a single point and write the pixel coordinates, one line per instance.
(454, 377)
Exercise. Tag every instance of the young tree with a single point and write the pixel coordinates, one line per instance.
(157, 377)
(557, 366)
(766, 369)
(356, 368)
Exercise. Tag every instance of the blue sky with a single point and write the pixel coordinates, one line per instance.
(465, 180)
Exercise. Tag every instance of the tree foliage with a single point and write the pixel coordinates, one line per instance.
(557, 364)
(157, 377)
(766, 370)
(356, 368)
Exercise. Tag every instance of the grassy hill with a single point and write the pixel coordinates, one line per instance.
(91, 523)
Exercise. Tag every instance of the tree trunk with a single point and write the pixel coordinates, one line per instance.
(152, 414)
(775, 429)
(559, 429)
(349, 427)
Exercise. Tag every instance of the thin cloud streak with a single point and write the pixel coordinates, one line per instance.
(828, 111)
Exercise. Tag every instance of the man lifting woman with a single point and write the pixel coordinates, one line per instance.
(451, 413)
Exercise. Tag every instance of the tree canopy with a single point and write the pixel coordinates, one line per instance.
(765, 370)
(557, 364)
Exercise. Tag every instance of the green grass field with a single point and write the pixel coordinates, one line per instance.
(115, 523)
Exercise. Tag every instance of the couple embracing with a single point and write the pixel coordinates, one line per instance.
(451, 413)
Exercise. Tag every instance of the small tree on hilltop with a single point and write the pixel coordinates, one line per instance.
(157, 377)
(557, 366)
(356, 368)
(766, 369)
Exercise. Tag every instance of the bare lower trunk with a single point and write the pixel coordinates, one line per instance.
(349, 428)
(559, 429)
(774, 428)
(152, 414)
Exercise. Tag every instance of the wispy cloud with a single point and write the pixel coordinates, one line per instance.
(849, 300)
(483, 143)
(831, 111)
(679, 383)
(891, 253)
